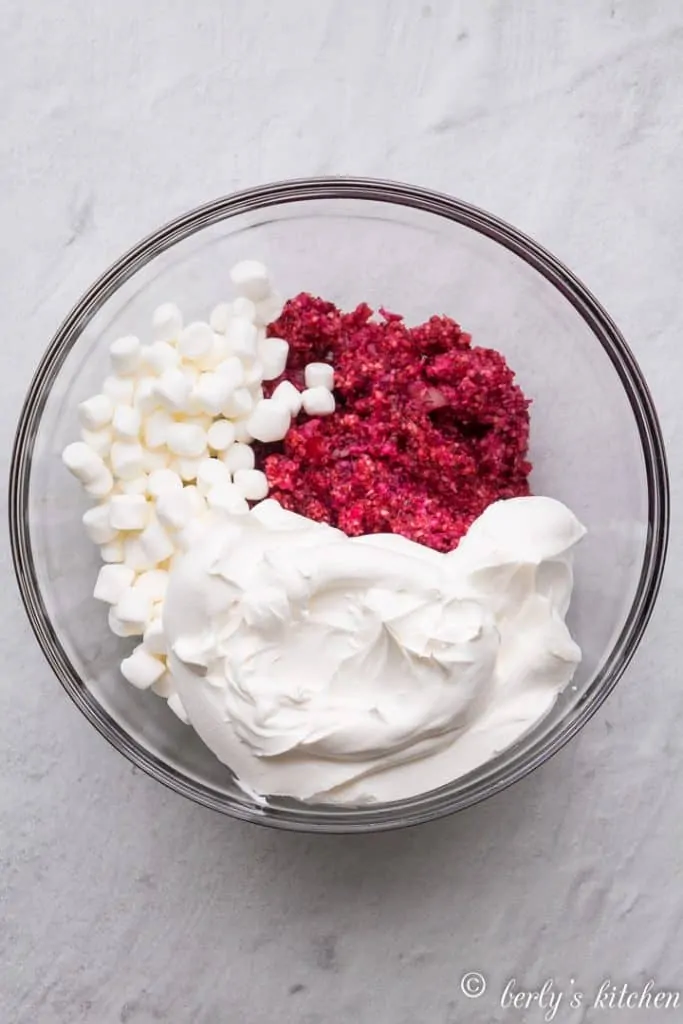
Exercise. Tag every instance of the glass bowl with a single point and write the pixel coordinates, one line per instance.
(595, 444)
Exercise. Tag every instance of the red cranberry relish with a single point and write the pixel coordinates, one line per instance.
(427, 433)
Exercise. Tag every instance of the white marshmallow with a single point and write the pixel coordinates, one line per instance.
(154, 460)
(269, 309)
(173, 508)
(81, 460)
(154, 639)
(136, 485)
(227, 497)
(212, 392)
(164, 686)
(129, 511)
(119, 390)
(98, 524)
(252, 484)
(135, 555)
(273, 353)
(101, 486)
(243, 337)
(243, 307)
(318, 401)
(112, 551)
(220, 435)
(242, 433)
(220, 317)
(289, 396)
(118, 627)
(187, 440)
(153, 583)
(269, 421)
(233, 371)
(126, 422)
(172, 390)
(220, 350)
(238, 456)
(125, 355)
(319, 375)
(186, 468)
(251, 279)
(145, 398)
(176, 705)
(163, 480)
(156, 427)
(155, 542)
(112, 583)
(211, 473)
(167, 322)
(160, 356)
(253, 374)
(142, 669)
(134, 609)
(96, 412)
(99, 440)
(239, 404)
(195, 340)
(195, 502)
(127, 459)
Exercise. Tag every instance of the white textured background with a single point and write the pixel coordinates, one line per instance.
(119, 901)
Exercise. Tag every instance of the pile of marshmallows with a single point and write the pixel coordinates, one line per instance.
(169, 437)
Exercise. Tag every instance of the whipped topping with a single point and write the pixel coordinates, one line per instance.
(350, 670)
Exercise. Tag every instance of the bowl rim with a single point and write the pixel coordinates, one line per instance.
(488, 780)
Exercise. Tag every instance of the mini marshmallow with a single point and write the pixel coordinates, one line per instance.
(289, 396)
(126, 422)
(172, 389)
(186, 439)
(142, 669)
(127, 459)
(242, 433)
(220, 350)
(239, 404)
(268, 309)
(136, 485)
(319, 375)
(239, 456)
(233, 371)
(129, 511)
(186, 469)
(252, 484)
(134, 609)
(211, 473)
(167, 322)
(176, 705)
(163, 480)
(243, 307)
(164, 686)
(144, 397)
(101, 486)
(269, 421)
(227, 497)
(154, 460)
(273, 353)
(220, 435)
(98, 524)
(112, 583)
(253, 374)
(250, 278)
(195, 340)
(118, 627)
(154, 639)
(173, 508)
(153, 583)
(220, 317)
(125, 355)
(160, 356)
(96, 412)
(119, 390)
(134, 555)
(318, 401)
(212, 392)
(195, 501)
(156, 427)
(243, 337)
(112, 551)
(99, 440)
(81, 460)
(155, 542)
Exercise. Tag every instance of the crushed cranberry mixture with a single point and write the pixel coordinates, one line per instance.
(428, 430)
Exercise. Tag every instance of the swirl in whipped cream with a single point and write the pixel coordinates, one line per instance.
(348, 670)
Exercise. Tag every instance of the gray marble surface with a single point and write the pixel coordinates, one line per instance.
(120, 903)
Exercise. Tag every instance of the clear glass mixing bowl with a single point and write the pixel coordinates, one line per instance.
(595, 444)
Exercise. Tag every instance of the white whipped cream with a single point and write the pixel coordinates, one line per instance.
(350, 670)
